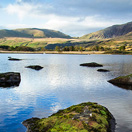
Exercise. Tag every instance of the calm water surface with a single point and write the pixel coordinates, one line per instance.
(60, 84)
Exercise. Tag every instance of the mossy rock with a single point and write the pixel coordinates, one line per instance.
(85, 117)
(92, 64)
(122, 80)
(35, 67)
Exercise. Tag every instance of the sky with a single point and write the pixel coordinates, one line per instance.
(72, 17)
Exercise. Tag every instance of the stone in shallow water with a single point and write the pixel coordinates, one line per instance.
(122, 80)
(10, 79)
(102, 70)
(92, 64)
(35, 67)
(14, 59)
(85, 117)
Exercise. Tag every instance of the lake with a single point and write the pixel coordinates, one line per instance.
(62, 83)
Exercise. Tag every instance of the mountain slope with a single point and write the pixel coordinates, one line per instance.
(32, 33)
(127, 36)
(110, 32)
(12, 33)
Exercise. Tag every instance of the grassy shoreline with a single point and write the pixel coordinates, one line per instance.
(63, 52)
(74, 52)
(52, 52)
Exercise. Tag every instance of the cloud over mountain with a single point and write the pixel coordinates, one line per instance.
(74, 17)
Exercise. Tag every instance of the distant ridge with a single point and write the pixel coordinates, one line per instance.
(110, 32)
(32, 33)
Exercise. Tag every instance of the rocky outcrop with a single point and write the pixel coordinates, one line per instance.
(85, 117)
(10, 79)
(14, 59)
(92, 64)
(35, 67)
(103, 70)
(122, 80)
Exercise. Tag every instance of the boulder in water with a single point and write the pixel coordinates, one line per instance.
(85, 117)
(10, 79)
(35, 67)
(122, 80)
(92, 64)
(14, 59)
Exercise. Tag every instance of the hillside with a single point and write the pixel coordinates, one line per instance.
(32, 33)
(110, 32)
(111, 38)
(127, 36)
(48, 43)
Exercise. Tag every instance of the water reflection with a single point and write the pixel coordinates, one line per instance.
(62, 83)
(127, 87)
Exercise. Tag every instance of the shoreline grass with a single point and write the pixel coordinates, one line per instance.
(63, 52)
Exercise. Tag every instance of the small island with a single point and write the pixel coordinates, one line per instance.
(35, 67)
(85, 117)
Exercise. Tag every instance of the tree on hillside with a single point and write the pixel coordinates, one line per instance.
(122, 48)
(57, 48)
(66, 48)
(101, 48)
(76, 48)
(81, 48)
(95, 48)
(71, 48)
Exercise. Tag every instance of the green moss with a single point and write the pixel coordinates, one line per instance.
(103, 112)
(122, 80)
(63, 120)
(124, 77)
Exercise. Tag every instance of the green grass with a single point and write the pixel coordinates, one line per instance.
(111, 46)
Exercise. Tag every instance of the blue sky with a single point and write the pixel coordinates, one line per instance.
(74, 17)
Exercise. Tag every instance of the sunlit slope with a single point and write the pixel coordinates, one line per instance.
(110, 32)
(33, 33)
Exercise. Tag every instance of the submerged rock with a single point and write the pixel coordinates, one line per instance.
(85, 117)
(103, 70)
(14, 59)
(122, 80)
(35, 67)
(10, 79)
(92, 64)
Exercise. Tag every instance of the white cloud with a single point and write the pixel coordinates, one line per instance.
(14, 26)
(76, 25)
(73, 18)
(22, 10)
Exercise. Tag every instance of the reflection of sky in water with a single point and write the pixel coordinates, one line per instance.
(62, 83)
